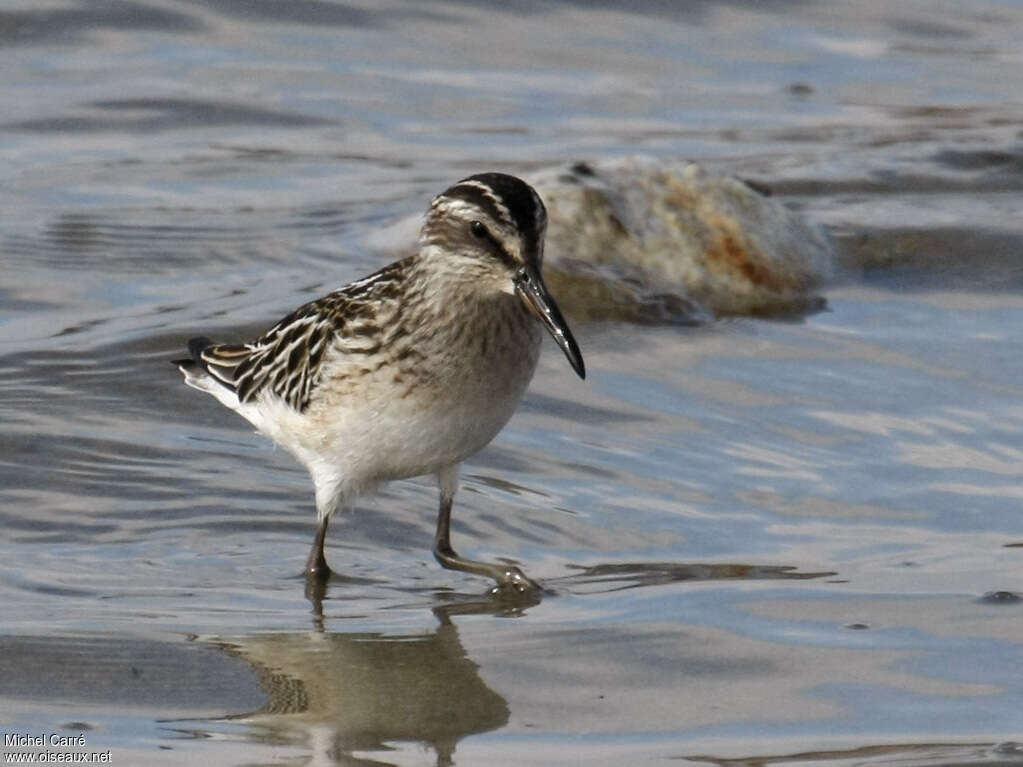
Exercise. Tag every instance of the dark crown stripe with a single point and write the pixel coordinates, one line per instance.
(474, 194)
(524, 206)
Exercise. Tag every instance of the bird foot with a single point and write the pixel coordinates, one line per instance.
(317, 572)
(513, 581)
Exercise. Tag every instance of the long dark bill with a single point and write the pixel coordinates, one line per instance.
(530, 288)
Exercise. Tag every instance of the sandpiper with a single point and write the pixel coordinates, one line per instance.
(411, 370)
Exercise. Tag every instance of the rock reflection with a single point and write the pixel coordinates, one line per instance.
(338, 694)
(632, 575)
(989, 754)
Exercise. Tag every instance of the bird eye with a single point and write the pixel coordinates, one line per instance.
(479, 231)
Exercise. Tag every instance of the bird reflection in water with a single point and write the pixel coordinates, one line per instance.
(342, 694)
(349, 697)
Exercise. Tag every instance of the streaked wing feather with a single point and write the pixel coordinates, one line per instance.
(222, 360)
(289, 358)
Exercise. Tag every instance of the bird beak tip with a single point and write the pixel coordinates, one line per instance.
(534, 295)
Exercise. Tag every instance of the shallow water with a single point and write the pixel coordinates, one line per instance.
(766, 541)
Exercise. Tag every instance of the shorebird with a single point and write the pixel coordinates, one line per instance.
(411, 370)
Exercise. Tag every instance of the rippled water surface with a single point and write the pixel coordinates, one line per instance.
(780, 540)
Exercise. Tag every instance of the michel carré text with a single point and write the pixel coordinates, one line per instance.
(16, 740)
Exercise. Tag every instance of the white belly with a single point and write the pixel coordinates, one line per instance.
(352, 439)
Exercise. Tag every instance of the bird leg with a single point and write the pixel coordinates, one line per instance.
(509, 578)
(316, 568)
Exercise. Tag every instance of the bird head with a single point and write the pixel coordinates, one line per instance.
(490, 228)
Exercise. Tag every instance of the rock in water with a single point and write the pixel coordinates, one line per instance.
(646, 240)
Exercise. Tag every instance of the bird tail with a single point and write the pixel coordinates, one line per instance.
(212, 367)
(196, 346)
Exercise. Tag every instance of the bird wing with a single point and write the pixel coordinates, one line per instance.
(289, 359)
